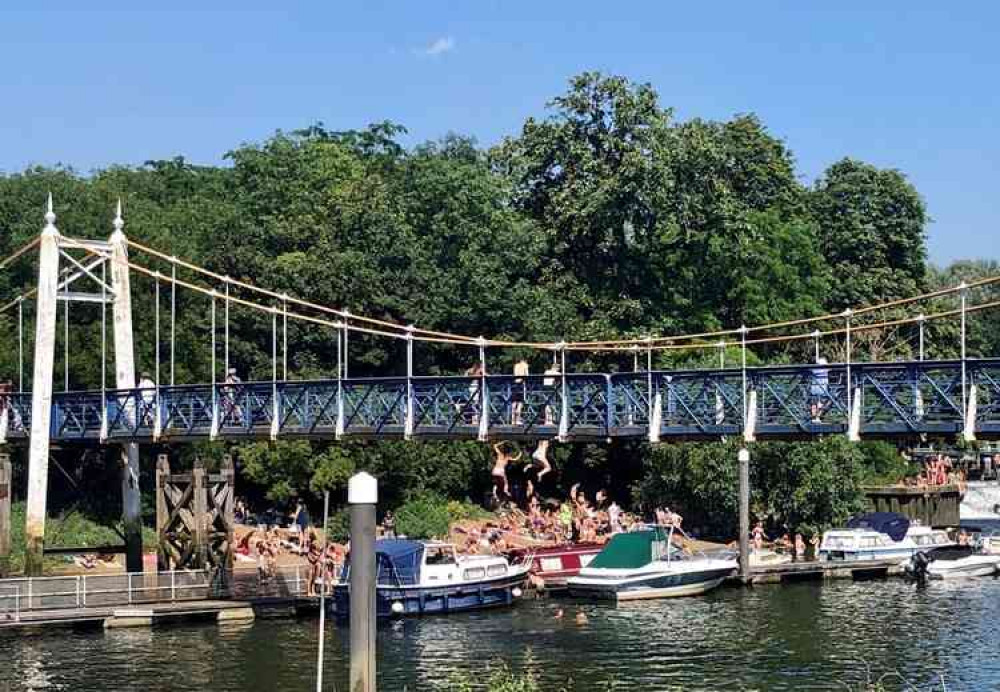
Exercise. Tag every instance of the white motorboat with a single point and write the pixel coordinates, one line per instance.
(644, 564)
(424, 577)
(991, 545)
(952, 562)
(880, 536)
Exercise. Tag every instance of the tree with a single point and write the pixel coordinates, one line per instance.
(871, 233)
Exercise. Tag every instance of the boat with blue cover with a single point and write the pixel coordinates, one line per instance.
(645, 564)
(881, 536)
(424, 577)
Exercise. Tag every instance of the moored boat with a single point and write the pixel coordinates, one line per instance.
(645, 564)
(880, 536)
(952, 562)
(424, 577)
(553, 565)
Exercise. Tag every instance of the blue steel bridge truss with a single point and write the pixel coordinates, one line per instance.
(901, 400)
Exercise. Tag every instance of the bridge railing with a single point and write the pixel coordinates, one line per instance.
(800, 401)
(447, 405)
(986, 377)
(785, 401)
(23, 596)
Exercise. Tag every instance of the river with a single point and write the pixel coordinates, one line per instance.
(806, 636)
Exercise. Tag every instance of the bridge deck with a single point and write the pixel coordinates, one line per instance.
(789, 402)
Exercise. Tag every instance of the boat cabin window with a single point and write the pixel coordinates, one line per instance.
(496, 570)
(474, 573)
(840, 543)
(551, 564)
(439, 555)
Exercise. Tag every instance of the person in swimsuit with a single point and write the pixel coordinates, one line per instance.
(313, 555)
(501, 488)
(757, 536)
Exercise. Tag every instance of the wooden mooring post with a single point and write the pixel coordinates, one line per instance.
(744, 503)
(5, 493)
(194, 516)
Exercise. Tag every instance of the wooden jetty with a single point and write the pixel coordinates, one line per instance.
(153, 614)
(826, 569)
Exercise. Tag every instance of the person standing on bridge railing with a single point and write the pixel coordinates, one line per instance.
(476, 372)
(7, 410)
(819, 390)
(517, 394)
(147, 393)
(232, 414)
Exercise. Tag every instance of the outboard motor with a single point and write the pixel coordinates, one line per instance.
(917, 567)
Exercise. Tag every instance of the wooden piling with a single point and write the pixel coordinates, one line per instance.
(362, 496)
(199, 500)
(5, 493)
(162, 513)
(744, 472)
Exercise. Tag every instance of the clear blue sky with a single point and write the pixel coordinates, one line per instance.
(913, 86)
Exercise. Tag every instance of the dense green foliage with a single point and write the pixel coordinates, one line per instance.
(70, 529)
(604, 218)
(429, 515)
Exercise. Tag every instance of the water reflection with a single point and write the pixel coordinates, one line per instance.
(791, 637)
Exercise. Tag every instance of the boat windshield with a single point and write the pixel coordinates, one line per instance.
(839, 543)
(439, 555)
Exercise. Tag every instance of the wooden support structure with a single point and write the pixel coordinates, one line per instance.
(931, 506)
(6, 488)
(194, 516)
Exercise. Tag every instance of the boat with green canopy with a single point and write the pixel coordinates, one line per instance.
(646, 564)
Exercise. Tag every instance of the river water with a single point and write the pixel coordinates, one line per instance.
(806, 636)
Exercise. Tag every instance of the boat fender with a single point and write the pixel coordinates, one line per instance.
(516, 592)
(397, 607)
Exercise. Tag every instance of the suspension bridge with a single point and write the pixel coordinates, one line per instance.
(902, 400)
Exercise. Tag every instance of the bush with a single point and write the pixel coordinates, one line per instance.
(428, 515)
(424, 516)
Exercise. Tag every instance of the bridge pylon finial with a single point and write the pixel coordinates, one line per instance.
(118, 224)
(50, 218)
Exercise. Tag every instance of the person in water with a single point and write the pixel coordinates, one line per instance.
(501, 487)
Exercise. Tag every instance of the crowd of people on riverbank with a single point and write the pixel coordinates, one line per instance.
(939, 470)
